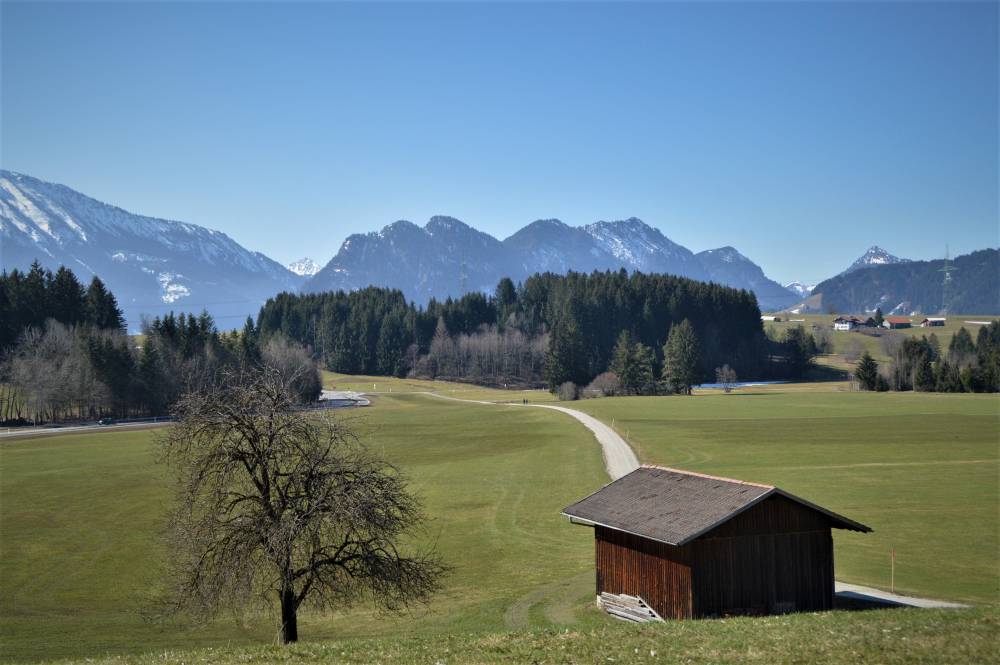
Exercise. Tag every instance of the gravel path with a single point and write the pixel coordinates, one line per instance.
(619, 459)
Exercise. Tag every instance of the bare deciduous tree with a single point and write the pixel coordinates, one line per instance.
(726, 377)
(275, 505)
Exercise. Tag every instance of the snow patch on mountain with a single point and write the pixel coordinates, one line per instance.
(874, 256)
(304, 267)
(59, 226)
(800, 288)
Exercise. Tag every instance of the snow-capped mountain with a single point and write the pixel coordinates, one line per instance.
(304, 267)
(638, 246)
(448, 258)
(152, 265)
(905, 287)
(875, 256)
(727, 266)
(800, 288)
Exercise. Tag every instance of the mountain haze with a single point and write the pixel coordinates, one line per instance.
(918, 287)
(152, 265)
(448, 257)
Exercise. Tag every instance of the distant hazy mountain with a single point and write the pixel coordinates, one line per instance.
(304, 267)
(727, 266)
(918, 286)
(448, 257)
(445, 257)
(152, 265)
(800, 288)
(875, 256)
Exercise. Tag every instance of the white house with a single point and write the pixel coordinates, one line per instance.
(847, 323)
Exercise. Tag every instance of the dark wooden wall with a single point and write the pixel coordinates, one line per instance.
(774, 557)
(658, 573)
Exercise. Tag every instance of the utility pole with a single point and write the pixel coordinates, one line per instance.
(946, 286)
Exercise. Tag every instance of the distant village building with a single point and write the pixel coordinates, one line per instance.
(847, 323)
(675, 544)
(776, 319)
(894, 322)
(932, 322)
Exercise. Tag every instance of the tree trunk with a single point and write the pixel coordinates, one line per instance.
(289, 620)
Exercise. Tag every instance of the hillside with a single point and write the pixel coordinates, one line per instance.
(727, 266)
(152, 265)
(918, 286)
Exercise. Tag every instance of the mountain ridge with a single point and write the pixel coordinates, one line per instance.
(152, 264)
(447, 257)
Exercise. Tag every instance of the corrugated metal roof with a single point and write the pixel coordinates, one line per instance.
(674, 506)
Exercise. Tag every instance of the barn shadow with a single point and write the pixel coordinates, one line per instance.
(857, 602)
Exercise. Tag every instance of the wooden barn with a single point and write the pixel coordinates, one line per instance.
(689, 545)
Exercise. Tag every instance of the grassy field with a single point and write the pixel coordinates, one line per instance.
(921, 469)
(886, 636)
(842, 340)
(79, 516)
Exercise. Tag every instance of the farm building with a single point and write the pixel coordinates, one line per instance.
(685, 545)
(894, 322)
(847, 323)
(932, 322)
(768, 318)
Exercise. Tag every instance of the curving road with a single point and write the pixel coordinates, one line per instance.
(619, 459)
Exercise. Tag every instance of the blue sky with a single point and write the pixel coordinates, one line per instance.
(800, 133)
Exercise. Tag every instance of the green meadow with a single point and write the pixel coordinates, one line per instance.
(921, 469)
(79, 517)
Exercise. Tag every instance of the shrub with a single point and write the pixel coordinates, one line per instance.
(603, 385)
(568, 392)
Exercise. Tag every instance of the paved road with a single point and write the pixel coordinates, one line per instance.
(27, 433)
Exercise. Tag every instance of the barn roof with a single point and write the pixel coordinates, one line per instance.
(898, 319)
(675, 507)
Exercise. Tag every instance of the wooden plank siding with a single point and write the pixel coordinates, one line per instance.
(658, 573)
(776, 556)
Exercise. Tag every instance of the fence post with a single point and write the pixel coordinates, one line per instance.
(892, 571)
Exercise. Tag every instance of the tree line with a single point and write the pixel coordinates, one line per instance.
(66, 355)
(549, 330)
(920, 364)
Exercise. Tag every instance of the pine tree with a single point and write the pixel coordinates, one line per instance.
(923, 377)
(34, 296)
(506, 300)
(948, 378)
(67, 298)
(866, 372)
(961, 348)
(622, 362)
(681, 358)
(566, 359)
(879, 319)
(102, 308)
(249, 345)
